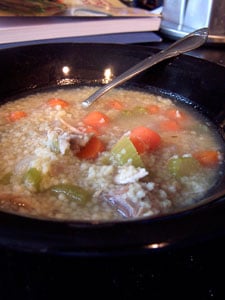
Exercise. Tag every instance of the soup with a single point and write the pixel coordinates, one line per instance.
(132, 154)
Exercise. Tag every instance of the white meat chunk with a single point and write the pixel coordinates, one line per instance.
(129, 174)
(59, 141)
(128, 200)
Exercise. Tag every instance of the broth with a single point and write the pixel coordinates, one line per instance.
(132, 154)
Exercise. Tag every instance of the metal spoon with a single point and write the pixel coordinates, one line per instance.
(191, 41)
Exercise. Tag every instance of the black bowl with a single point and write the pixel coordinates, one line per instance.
(36, 67)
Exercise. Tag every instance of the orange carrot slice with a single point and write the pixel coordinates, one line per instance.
(16, 115)
(207, 158)
(176, 114)
(115, 104)
(56, 101)
(92, 149)
(144, 139)
(96, 119)
(153, 109)
(170, 125)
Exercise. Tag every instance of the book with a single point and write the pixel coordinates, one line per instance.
(20, 29)
(71, 8)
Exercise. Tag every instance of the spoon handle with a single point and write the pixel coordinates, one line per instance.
(189, 42)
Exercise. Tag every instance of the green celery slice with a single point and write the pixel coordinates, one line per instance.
(54, 146)
(32, 179)
(124, 151)
(137, 110)
(72, 192)
(183, 166)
